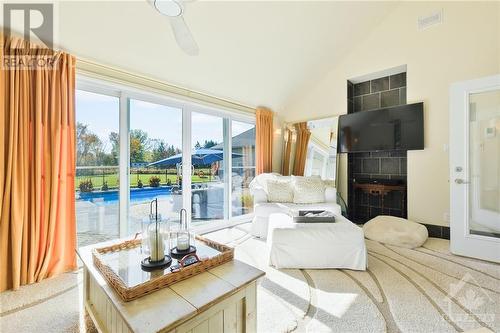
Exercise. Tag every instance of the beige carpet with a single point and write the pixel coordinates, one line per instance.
(422, 290)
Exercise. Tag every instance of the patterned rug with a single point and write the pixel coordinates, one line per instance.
(422, 290)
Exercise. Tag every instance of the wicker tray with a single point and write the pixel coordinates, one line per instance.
(120, 265)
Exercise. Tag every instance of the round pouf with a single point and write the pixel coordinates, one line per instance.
(395, 231)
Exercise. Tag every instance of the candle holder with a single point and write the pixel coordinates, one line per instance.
(154, 242)
(184, 239)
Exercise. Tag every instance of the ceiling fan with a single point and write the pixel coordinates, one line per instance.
(174, 10)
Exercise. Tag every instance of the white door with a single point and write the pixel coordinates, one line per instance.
(475, 168)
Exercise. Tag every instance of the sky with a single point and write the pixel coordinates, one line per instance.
(101, 113)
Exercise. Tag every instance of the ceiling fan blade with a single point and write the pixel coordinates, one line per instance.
(183, 35)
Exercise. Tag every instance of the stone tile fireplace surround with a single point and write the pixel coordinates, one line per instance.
(381, 166)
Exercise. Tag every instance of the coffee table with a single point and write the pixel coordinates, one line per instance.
(222, 299)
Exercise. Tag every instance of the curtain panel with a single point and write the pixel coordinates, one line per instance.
(264, 140)
(303, 135)
(37, 166)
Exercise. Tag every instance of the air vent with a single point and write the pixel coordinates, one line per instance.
(428, 21)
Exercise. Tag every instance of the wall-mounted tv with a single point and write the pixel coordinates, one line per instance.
(395, 128)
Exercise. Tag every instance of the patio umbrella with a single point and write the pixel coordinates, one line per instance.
(199, 157)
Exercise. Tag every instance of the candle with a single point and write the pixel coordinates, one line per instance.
(156, 245)
(183, 241)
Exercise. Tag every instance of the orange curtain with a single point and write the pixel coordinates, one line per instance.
(303, 135)
(264, 140)
(37, 164)
(285, 170)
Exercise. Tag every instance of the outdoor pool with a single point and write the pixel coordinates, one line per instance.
(136, 195)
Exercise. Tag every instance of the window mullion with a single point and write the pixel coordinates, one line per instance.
(124, 164)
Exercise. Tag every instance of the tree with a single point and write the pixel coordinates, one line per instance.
(114, 138)
(89, 148)
(209, 144)
(159, 150)
(197, 145)
(139, 145)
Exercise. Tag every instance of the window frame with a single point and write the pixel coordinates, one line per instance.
(125, 93)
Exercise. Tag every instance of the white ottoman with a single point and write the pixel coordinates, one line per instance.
(315, 245)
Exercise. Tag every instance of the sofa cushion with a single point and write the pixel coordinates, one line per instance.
(279, 191)
(308, 190)
(395, 231)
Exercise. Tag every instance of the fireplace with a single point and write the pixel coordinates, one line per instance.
(376, 180)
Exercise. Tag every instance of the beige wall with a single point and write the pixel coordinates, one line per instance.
(464, 46)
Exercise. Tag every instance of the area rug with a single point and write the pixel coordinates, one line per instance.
(422, 290)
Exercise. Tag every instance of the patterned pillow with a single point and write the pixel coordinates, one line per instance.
(279, 191)
(307, 190)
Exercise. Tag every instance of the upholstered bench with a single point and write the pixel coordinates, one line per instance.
(340, 244)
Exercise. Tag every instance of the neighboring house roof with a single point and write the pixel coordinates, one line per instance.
(244, 139)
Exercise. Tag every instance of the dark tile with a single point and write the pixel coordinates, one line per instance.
(357, 166)
(389, 98)
(362, 88)
(371, 102)
(381, 177)
(362, 155)
(380, 84)
(446, 232)
(398, 153)
(403, 164)
(360, 176)
(371, 165)
(374, 212)
(357, 104)
(380, 154)
(350, 107)
(397, 80)
(434, 230)
(350, 90)
(374, 200)
(396, 212)
(389, 165)
(402, 96)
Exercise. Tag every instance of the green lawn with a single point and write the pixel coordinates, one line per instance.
(112, 179)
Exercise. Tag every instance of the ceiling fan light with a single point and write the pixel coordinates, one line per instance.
(168, 7)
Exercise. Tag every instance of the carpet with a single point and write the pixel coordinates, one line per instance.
(422, 290)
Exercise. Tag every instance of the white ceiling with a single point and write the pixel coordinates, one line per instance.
(254, 53)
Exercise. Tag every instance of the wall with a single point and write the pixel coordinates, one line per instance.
(464, 46)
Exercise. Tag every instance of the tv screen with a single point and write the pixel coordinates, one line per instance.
(395, 128)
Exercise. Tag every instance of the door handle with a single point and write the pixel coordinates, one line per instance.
(460, 181)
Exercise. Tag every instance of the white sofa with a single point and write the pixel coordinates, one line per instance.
(263, 208)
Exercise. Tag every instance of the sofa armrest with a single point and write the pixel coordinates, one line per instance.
(331, 194)
(259, 195)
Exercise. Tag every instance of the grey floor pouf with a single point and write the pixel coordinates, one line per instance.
(395, 231)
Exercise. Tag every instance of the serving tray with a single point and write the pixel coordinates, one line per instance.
(120, 265)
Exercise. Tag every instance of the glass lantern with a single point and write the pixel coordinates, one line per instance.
(155, 241)
(183, 244)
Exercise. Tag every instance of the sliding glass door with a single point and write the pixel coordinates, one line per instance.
(208, 160)
(97, 164)
(133, 147)
(155, 150)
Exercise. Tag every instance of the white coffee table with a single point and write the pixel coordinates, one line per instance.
(315, 245)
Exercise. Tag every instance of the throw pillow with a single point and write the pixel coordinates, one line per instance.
(307, 190)
(279, 191)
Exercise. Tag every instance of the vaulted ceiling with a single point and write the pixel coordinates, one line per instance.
(251, 52)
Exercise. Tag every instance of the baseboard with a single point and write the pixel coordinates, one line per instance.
(437, 231)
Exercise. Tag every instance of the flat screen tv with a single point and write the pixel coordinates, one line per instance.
(395, 128)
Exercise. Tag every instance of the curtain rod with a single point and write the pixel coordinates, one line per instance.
(105, 72)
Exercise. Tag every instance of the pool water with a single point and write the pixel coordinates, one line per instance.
(136, 195)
